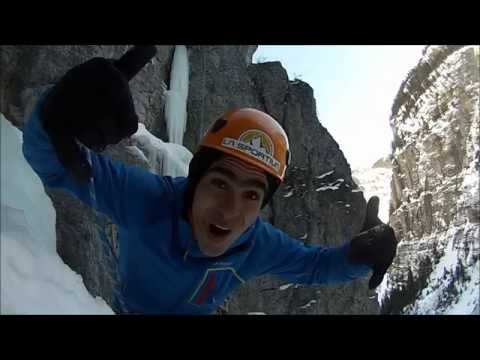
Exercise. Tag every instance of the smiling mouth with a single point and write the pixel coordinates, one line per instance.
(218, 231)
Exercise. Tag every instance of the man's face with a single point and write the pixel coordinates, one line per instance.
(226, 202)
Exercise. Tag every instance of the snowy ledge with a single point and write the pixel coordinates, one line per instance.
(34, 280)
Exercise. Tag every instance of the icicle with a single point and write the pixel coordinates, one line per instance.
(177, 95)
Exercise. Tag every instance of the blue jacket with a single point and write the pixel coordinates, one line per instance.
(161, 268)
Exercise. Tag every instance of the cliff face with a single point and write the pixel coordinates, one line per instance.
(435, 200)
(318, 192)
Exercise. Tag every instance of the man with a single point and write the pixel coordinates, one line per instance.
(185, 243)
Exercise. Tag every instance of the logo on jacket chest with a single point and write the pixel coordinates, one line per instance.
(213, 285)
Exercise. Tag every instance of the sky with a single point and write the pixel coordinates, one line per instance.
(354, 88)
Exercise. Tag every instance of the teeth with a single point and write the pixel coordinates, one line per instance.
(222, 228)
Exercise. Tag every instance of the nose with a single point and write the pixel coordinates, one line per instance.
(230, 205)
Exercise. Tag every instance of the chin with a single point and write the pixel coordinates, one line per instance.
(212, 251)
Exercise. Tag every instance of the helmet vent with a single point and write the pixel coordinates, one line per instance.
(220, 123)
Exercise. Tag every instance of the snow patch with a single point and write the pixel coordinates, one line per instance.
(167, 159)
(310, 303)
(34, 280)
(285, 287)
(332, 186)
(325, 175)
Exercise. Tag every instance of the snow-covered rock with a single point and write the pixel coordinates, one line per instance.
(168, 159)
(435, 197)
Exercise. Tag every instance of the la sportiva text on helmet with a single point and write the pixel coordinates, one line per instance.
(252, 136)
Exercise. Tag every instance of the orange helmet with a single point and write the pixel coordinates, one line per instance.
(252, 136)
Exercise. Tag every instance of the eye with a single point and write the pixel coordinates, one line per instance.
(253, 195)
(219, 183)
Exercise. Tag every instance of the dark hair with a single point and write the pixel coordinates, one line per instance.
(199, 164)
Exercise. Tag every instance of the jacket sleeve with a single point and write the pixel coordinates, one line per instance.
(294, 261)
(124, 193)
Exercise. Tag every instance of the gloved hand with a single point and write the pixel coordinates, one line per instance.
(375, 245)
(92, 103)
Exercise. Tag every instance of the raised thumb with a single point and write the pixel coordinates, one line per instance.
(134, 60)
(371, 217)
(377, 276)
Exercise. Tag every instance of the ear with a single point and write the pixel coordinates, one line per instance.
(273, 185)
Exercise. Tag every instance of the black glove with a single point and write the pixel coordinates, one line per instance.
(92, 103)
(375, 245)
